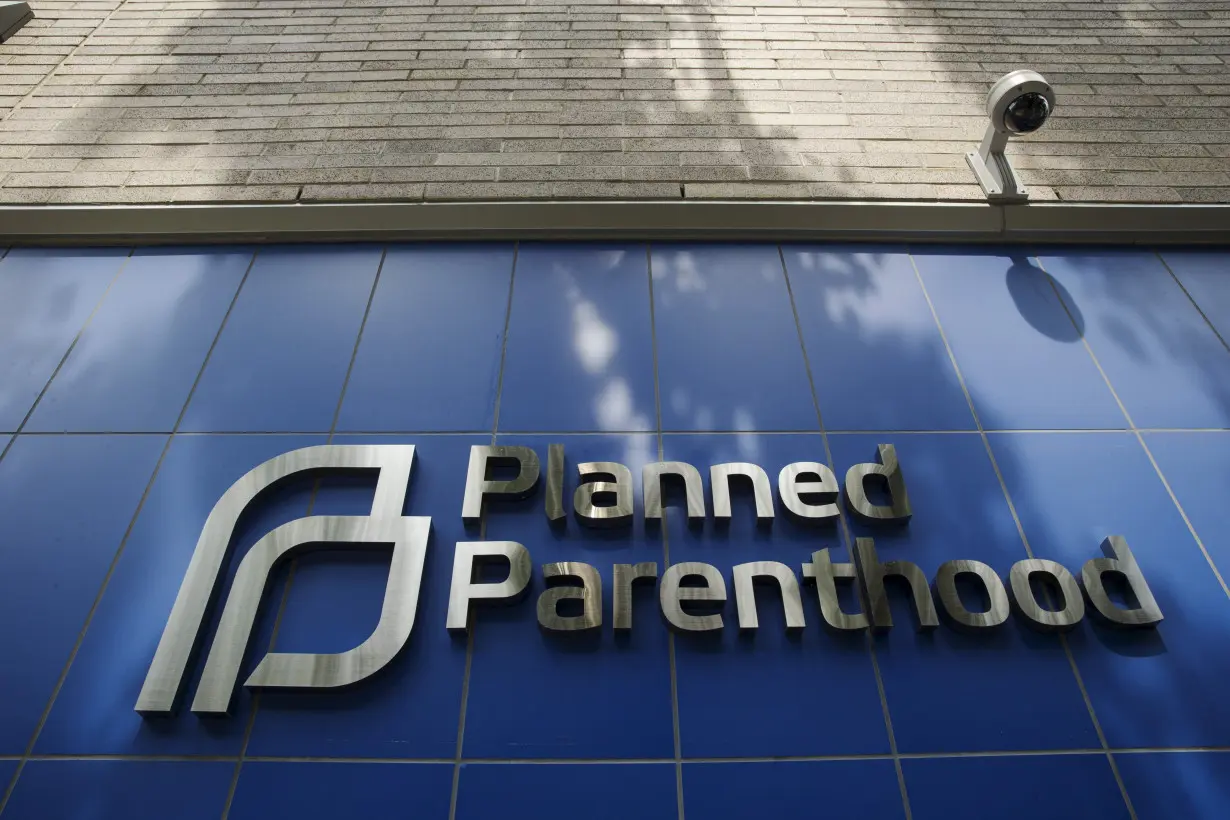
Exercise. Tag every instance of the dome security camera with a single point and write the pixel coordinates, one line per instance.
(1020, 102)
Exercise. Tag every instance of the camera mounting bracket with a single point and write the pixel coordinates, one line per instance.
(993, 170)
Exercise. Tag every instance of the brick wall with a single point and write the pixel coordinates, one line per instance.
(222, 100)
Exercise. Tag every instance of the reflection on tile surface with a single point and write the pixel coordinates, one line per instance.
(1149, 688)
(1020, 354)
(1165, 362)
(876, 354)
(728, 348)
(45, 298)
(580, 346)
(134, 365)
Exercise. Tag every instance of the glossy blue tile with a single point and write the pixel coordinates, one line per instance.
(1019, 353)
(430, 354)
(728, 346)
(66, 502)
(763, 678)
(1013, 689)
(1191, 785)
(7, 769)
(580, 342)
(562, 792)
(534, 694)
(281, 361)
(1204, 276)
(372, 791)
(865, 788)
(1150, 688)
(133, 367)
(1164, 361)
(45, 298)
(411, 707)
(93, 713)
(1197, 466)
(120, 790)
(877, 358)
(1013, 788)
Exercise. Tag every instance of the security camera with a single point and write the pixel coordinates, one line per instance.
(1020, 102)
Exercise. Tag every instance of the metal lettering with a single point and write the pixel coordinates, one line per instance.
(745, 576)
(856, 489)
(1120, 560)
(625, 576)
(672, 596)
(825, 573)
(652, 478)
(791, 488)
(463, 590)
(385, 525)
(719, 481)
(1045, 620)
(872, 574)
(555, 482)
(589, 513)
(589, 594)
(478, 486)
(954, 607)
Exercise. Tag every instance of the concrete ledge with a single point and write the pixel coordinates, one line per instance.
(716, 220)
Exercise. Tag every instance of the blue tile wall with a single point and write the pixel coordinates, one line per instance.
(836, 788)
(369, 790)
(45, 298)
(132, 368)
(1039, 400)
(430, 354)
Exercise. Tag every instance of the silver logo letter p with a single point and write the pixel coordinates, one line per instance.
(386, 525)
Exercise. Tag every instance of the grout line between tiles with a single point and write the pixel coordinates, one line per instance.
(290, 575)
(557, 433)
(1190, 298)
(869, 639)
(115, 559)
(71, 347)
(583, 761)
(1016, 519)
(1140, 438)
(666, 552)
(458, 760)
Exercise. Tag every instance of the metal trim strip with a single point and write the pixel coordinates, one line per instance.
(709, 220)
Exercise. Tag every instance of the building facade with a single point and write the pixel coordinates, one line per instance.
(571, 409)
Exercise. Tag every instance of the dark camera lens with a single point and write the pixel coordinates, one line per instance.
(1027, 113)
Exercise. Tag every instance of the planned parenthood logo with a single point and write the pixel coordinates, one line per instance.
(691, 594)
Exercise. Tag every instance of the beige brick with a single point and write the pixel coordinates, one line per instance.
(390, 99)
